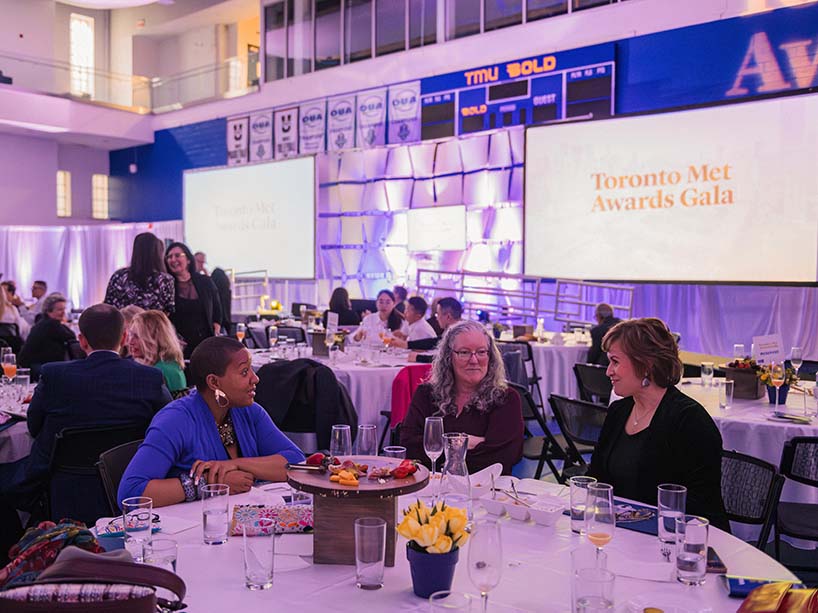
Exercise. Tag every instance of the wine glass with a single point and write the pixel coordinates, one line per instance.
(777, 379)
(241, 332)
(433, 440)
(738, 351)
(796, 358)
(340, 443)
(329, 341)
(600, 515)
(272, 336)
(9, 366)
(485, 558)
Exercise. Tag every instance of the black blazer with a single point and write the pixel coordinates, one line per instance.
(208, 296)
(683, 446)
(595, 353)
(45, 343)
(347, 317)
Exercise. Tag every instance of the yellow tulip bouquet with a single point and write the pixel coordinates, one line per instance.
(436, 529)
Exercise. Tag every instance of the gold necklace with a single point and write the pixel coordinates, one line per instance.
(636, 416)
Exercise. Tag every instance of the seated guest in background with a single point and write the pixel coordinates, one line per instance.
(339, 303)
(47, 340)
(10, 315)
(605, 320)
(449, 312)
(39, 289)
(467, 387)
(222, 283)
(400, 298)
(419, 328)
(128, 312)
(385, 320)
(217, 434)
(101, 390)
(152, 341)
(655, 434)
(201, 262)
(432, 321)
(145, 282)
(198, 312)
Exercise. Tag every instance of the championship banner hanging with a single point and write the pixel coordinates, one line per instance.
(261, 136)
(341, 123)
(371, 111)
(286, 133)
(237, 140)
(312, 131)
(404, 113)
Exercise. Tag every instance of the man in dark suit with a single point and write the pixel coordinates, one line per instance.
(101, 390)
(605, 321)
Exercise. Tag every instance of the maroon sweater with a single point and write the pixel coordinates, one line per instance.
(502, 427)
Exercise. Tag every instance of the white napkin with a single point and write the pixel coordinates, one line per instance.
(481, 480)
(294, 545)
(175, 525)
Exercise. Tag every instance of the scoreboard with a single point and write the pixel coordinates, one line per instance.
(531, 91)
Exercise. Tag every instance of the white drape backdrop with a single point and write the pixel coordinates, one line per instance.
(76, 261)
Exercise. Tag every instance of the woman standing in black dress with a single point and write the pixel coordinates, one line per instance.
(198, 312)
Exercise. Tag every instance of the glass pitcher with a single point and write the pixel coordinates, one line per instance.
(455, 485)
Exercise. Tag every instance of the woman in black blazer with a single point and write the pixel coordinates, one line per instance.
(198, 312)
(655, 434)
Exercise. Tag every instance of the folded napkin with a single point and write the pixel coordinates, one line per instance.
(288, 519)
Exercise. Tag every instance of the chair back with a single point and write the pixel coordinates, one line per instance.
(580, 421)
(259, 336)
(594, 384)
(799, 460)
(73, 351)
(531, 411)
(292, 332)
(404, 385)
(750, 489)
(75, 489)
(111, 466)
(10, 333)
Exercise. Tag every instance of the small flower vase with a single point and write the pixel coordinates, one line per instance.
(431, 572)
(782, 394)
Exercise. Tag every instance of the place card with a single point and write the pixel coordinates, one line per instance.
(769, 348)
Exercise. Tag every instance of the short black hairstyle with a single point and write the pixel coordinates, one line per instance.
(102, 326)
(191, 261)
(400, 292)
(419, 304)
(452, 306)
(42, 284)
(211, 357)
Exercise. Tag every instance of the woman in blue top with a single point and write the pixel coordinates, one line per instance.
(216, 434)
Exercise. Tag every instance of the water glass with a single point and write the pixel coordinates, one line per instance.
(582, 557)
(259, 553)
(333, 354)
(691, 549)
(485, 558)
(579, 498)
(726, 394)
(340, 442)
(707, 374)
(370, 552)
(366, 442)
(593, 590)
(671, 503)
(162, 553)
(448, 600)
(215, 505)
(137, 516)
(738, 351)
(395, 451)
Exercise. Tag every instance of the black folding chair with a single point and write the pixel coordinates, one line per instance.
(292, 332)
(111, 467)
(750, 488)
(580, 422)
(258, 336)
(799, 462)
(548, 448)
(75, 489)
(594, 384)
(10, 333)
(531, 371)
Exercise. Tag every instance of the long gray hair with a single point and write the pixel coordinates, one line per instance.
(492, 388)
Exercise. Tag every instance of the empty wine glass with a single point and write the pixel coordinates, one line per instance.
(600, 515)
(796, 358)
(738, 351)
(340, 442)
(485, 558)
(433, 440)
(777, 379)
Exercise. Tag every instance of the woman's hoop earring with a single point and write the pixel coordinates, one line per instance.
(645, 382)
(219, 395)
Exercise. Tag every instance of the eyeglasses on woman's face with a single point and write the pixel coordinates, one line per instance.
(465, 355)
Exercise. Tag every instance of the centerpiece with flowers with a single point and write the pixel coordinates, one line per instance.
(765, 376)
(435, 536)
(743, 372)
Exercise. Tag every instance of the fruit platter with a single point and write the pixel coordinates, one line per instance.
(346, 488)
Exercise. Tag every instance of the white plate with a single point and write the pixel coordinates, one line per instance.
(669, 603)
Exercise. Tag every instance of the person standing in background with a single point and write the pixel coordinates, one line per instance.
(201, 262)
(400, 298)
(145, 282)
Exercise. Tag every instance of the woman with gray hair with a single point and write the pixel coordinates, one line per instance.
(47, 339)
(467, 387)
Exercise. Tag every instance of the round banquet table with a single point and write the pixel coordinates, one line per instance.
(536, 571)
(15, 443)
(746, 428)
(555, 364)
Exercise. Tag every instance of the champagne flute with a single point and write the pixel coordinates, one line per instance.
(272, 336)
(600, 515)
(797, 359)
(433, 441)
(485, 558)
(241, 332)
(9, 366)
(777, 379)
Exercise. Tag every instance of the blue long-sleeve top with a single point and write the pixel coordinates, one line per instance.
(185, 431)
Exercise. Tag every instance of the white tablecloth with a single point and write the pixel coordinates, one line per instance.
(15, 443)
(535, 574)
(555, 364)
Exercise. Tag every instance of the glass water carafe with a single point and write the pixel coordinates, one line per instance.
(455, 486)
